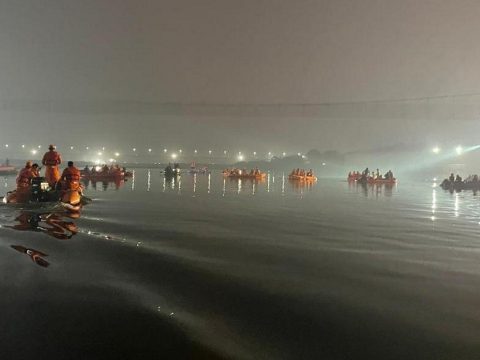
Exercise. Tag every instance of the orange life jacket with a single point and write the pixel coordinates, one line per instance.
(51, 158)
(71, 174)
(24, 177)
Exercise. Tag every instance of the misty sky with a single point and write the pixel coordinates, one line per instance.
(165, 72)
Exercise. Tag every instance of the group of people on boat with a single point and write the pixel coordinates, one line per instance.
(67, 181)
(371, 176)
(302, 173)
(236, 172)
(172, 171)
(458, 183)
(113, 170)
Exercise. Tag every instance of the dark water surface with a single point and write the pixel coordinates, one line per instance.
(206, 268)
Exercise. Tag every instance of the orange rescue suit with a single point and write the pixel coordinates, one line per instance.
(23, 184)
(24, 177)
(71, 176)
(51, 160)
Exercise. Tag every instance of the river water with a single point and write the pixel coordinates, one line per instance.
(205, 267)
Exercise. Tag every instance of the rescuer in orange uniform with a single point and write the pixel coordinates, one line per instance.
(71, 177)
(24, 180)
(51, 160)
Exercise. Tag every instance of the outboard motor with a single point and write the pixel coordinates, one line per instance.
(40, 189)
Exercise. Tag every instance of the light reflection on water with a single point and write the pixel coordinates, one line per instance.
(271, 262)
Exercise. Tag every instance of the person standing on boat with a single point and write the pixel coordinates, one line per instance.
(51, 160)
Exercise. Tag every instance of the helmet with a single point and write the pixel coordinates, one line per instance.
(51, 147)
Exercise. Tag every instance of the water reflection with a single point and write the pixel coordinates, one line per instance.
(172, 184)
(103, 185)
(35, 255)
(56, 224)
(59, 225)
(375, 190)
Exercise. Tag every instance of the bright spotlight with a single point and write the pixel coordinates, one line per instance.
(174, 156)
(34, 152)
(458, 150)
(23, 146)
(436, 150)
(6, 145)
(150, 150)
(99, 153)
(240, 157)
(117, 154)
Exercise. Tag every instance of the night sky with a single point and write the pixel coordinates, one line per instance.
(259, 75)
